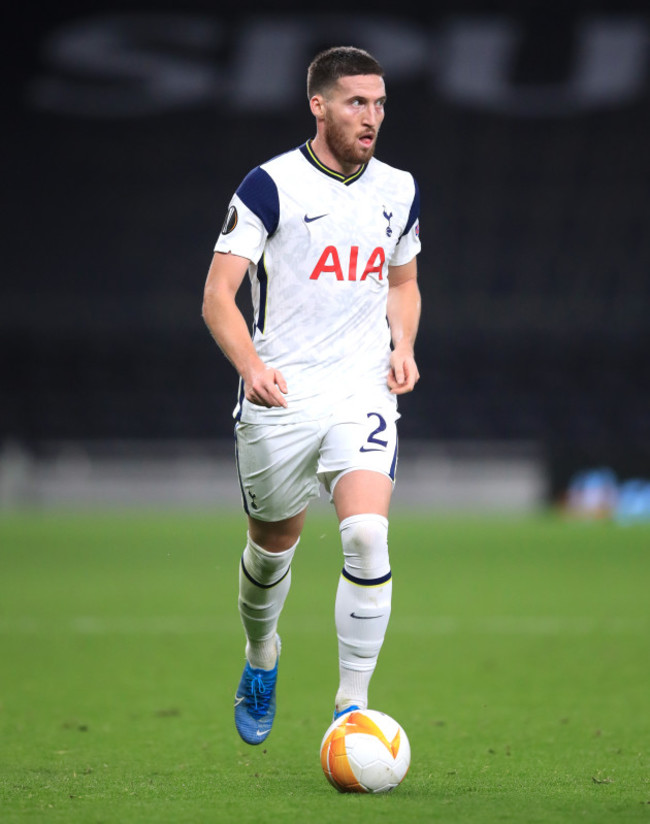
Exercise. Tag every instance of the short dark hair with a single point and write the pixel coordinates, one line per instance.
(339, 61)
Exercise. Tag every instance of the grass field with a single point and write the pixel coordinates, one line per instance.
(518, 661)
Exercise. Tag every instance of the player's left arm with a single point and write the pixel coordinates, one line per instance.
(403, 311)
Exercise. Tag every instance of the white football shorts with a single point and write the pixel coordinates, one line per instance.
(281, 466)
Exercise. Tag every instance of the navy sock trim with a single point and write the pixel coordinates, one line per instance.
(257, 583)
(366, 582)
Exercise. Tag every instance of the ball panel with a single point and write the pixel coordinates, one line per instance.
(365, 751)
(336, 764)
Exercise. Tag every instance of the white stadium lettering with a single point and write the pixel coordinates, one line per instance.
(137, 65)
(129, 65)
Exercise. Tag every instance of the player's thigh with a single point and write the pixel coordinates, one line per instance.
(276, 465)
(364, 438)
(362, 491)
(276, 536)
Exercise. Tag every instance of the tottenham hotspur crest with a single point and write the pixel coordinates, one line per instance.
(388, 216)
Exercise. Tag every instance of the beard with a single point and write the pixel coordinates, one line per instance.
(347, 150)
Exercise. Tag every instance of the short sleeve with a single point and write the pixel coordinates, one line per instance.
(253, 215)
(409, 244)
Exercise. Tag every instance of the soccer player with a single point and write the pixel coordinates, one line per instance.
(328, 236)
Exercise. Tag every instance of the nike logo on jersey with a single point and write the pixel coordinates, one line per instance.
(316, 217)
(363, 617)
(365, 449)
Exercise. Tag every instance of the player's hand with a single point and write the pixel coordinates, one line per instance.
(403, 373)
(266, 387)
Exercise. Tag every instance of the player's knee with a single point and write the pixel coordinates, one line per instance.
(365, 545)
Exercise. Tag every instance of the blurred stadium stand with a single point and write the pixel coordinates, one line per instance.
(535, 226)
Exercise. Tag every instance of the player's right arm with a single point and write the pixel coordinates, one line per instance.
(263, 386)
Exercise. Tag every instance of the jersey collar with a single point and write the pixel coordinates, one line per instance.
(309, 153)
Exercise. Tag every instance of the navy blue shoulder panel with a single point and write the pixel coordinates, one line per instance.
(415, 208)
(259, 192)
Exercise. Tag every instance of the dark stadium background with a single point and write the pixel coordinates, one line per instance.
(535, 218)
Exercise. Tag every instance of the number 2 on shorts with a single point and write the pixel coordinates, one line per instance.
(378, 444)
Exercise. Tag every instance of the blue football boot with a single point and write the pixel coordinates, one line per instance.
(343, 712)
(255, 702)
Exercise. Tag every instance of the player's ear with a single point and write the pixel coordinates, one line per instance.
(317, 106)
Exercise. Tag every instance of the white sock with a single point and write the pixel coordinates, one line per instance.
(363, 602)
(264, 582)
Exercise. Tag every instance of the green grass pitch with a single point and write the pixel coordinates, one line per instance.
(517, 660)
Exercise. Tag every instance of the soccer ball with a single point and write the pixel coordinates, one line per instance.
(365, 751)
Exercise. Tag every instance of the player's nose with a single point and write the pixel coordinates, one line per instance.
(371, 115)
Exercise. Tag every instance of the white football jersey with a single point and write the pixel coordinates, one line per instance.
(320, 245)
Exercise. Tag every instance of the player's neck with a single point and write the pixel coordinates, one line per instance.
(322, 151)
